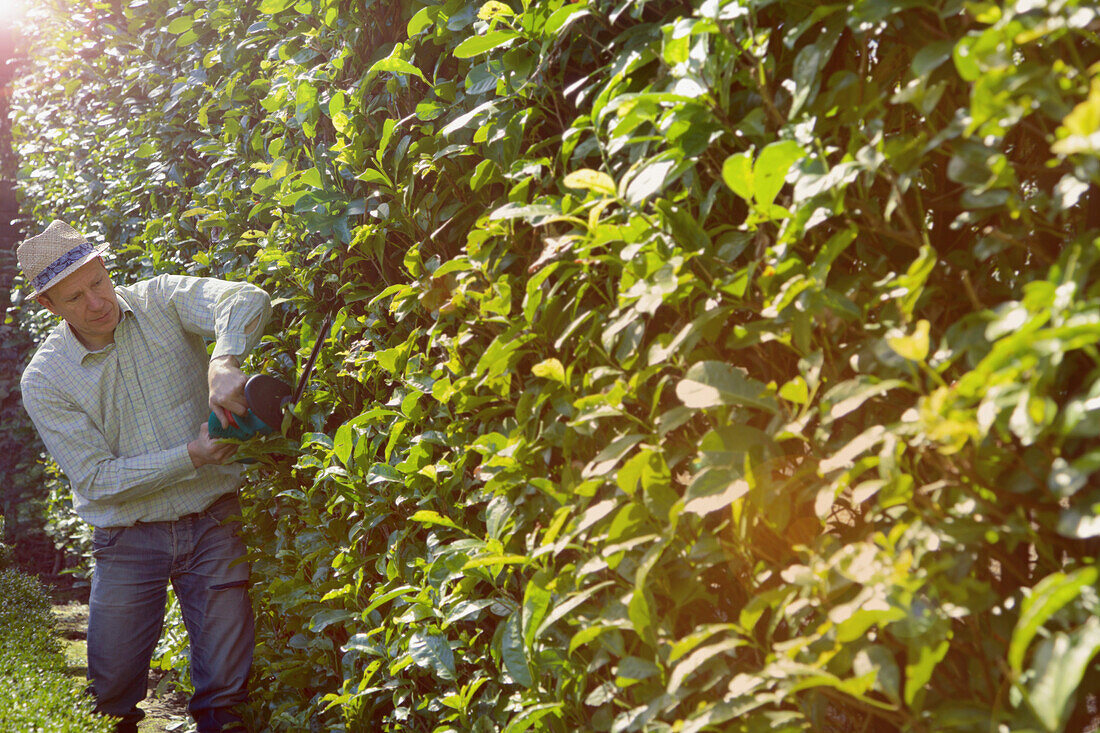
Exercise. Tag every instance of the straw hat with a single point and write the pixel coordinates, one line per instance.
(48, 258)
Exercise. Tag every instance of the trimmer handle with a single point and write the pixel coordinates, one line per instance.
(241, 427)
(265, 397)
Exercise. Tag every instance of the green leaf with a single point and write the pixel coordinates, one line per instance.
(499, 511)
(421, 20)
(359, 643)
(633, 669)
(630, 473)
(307, 110)
(1060, 664)
(685, 226)
(590, 180)
(494, 9)
(699, 657)
(311, 177)
(856, 622)
(830, 251)
(534, 213)
(808, 63)
(641, 608)
(433, 652)
(695, 638)
(424, 516)
(376, 601)
(850, 394)
(1049, 596)
(923, 659)
(930, 57)
(344, 443)
(965, 62)
(536, 604)
(646, 180)
(738, 175)
(477, 45)
(846, 456)
(914, 279)
(380, 473)
(370, 175)
(606, 460)
(513, 651)
(551, 369)
(795, 391)
(396, 65)
(323, 619)
(531, 715)
(181, 24)
(486, 170)
(563, 608)
(502, 354)
(714, 383)
(187, 38)
(913, 347)
(1080, 131)
(564, 16)
(878, 660)
(713, 490)
(771, 169)
(495, 560)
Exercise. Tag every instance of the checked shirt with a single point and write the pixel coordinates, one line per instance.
(118, 420)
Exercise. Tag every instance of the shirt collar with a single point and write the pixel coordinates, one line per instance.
(78, 350)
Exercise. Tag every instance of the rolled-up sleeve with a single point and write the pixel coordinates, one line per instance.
(83, 455)
(233, 314)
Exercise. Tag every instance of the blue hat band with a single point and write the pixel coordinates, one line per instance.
(61, 264)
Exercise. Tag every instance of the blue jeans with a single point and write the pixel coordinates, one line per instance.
(202, 556)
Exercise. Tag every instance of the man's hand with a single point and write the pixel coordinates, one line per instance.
(205, 450)
(226, 382)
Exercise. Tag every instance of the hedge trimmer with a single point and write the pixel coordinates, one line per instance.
(266, 397)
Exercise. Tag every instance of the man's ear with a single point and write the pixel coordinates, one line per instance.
(45, 302)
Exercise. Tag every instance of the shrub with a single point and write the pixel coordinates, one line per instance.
(721, 365)
(37, 693)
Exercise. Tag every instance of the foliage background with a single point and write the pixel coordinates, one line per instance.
(708, 365)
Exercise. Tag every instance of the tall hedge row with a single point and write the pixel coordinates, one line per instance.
(694, 365)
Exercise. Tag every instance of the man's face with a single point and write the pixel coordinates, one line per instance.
(86, 300)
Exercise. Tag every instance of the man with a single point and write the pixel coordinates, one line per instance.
(120, 391)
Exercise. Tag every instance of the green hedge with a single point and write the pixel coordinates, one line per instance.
(709, 365)
(37, 693)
